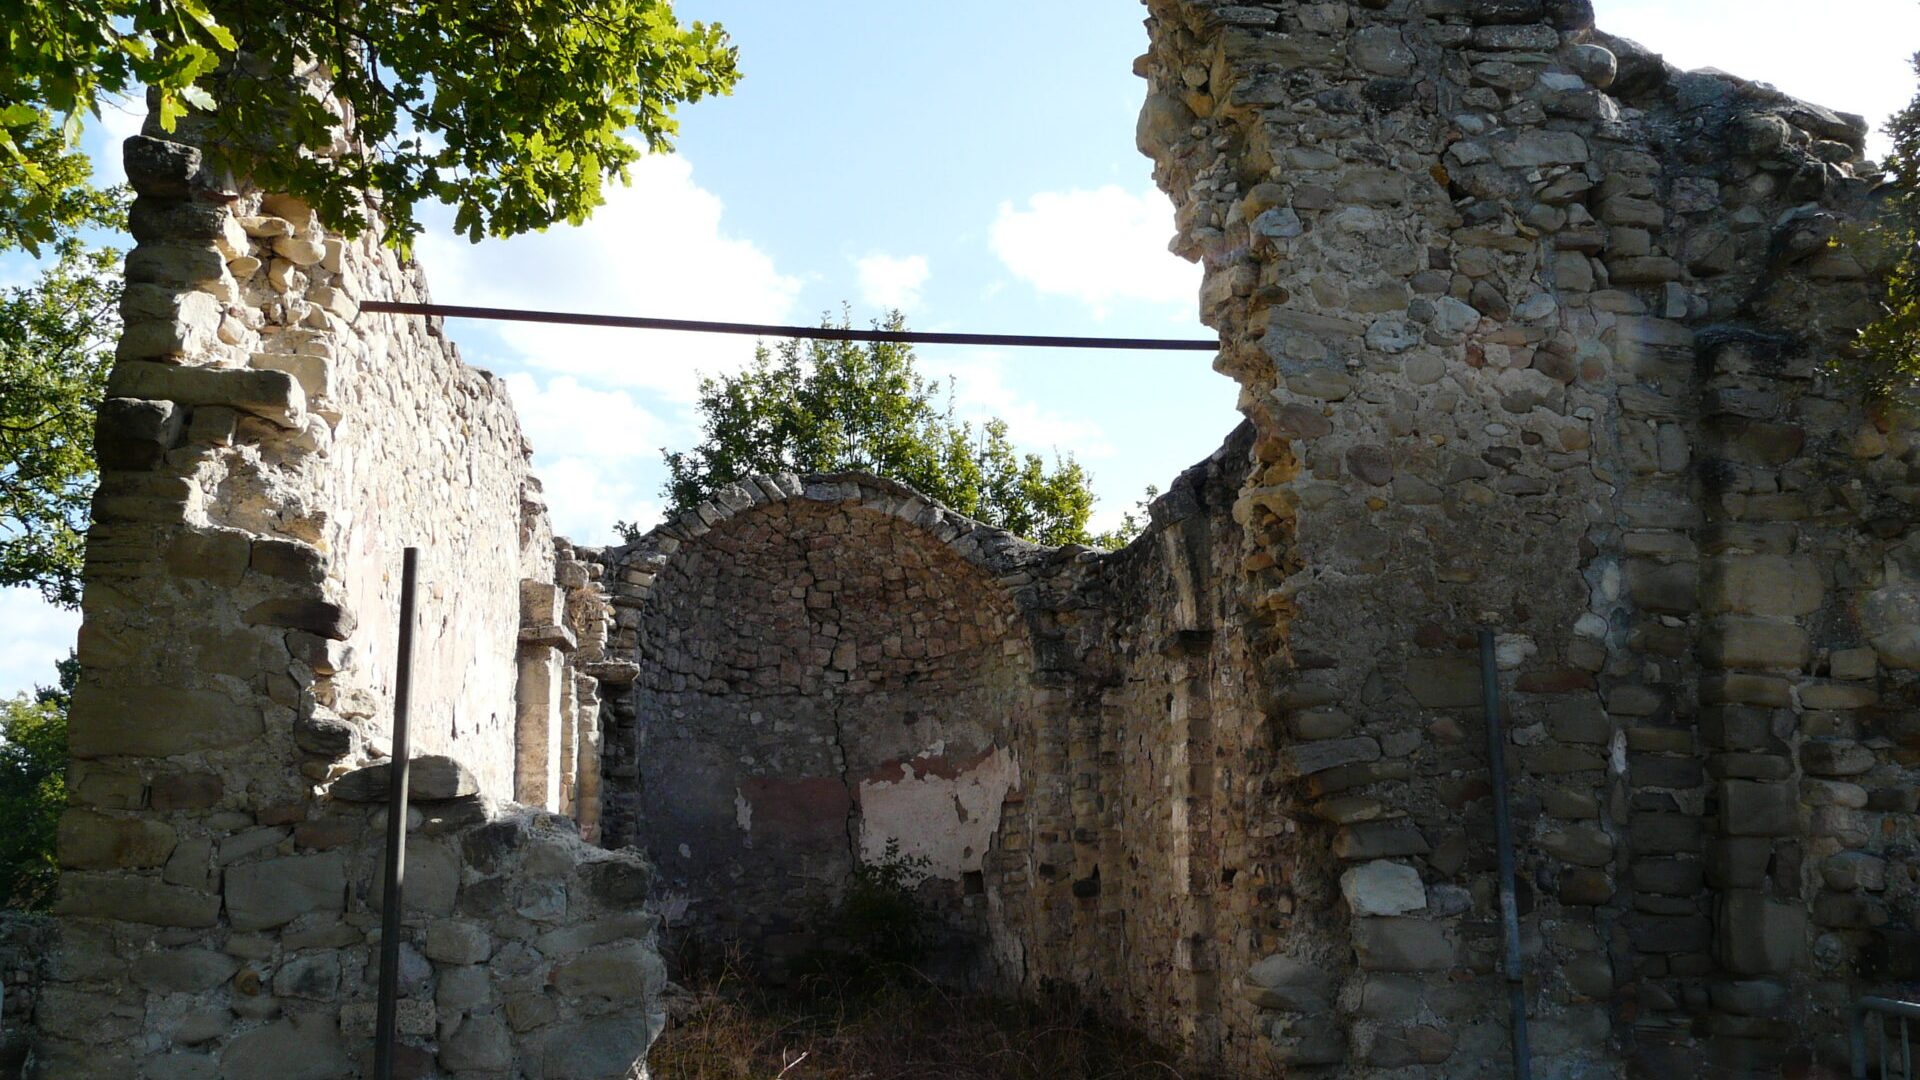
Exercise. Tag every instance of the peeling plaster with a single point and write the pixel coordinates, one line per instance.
(940, 807)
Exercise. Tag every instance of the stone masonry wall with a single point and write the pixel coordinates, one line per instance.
(1534, 334)
(1541, 335)
(1074, 739)
(25, 941)
(267, 450)
(824, 666)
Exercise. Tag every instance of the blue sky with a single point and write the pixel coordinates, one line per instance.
(972, 164)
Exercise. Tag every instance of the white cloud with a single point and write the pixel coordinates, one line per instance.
(980, 392)
(585, 498)
(889, 281)
(120, 119)
(1102, 247)
(567, 419)
(38, 635)
(656, 248)
(590, 446)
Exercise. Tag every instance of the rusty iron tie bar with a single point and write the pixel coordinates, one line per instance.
(823, 333)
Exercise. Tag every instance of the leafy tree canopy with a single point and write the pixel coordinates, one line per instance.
(512, 111)
(837, 406)
(33, 765)
(56, 346)
(1894, 340)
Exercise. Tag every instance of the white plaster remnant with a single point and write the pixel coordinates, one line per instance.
(743, 817)
(938, 807)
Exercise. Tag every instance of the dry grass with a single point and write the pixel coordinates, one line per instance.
(892, 1029)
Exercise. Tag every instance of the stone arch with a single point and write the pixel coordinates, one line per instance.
(825, 665)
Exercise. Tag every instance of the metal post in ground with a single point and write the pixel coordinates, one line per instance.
(396, 863)
(1503, 837)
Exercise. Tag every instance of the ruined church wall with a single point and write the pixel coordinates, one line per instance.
(266, 452)
(824, 665)
(1542, 336)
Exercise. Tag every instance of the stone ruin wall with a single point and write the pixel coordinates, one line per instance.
(1534, 333)
(1540, 334)
(266, 452)
(1075, 739)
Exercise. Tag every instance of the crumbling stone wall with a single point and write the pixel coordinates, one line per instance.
(267, 450)
(1534, 333)
(26, 940)
(825, 666)
(825, 663)
(1542, 335)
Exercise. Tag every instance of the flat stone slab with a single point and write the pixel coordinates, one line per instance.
(433, 778)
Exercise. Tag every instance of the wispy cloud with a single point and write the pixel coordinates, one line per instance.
(656, 248)
(37, 635)
(891, 281)
(1103, 247)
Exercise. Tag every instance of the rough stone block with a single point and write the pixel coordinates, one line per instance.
(432, 888)
(217, 555)
(270, 395)
(165, 323)
(1748, 808)
(1444, 682)
(183, 971)
(1850, 870)
(1667, 588)
(1777, 585)
(1835, 757)
(264, 895)
(454, 941)
(1669, 933)
(1379, 840)
(1653, 833)
(135, 899)
(481, 1043)
(314, 373)
(1756, 643)
(160, 169)
(591, 1049)
(93, 841)
(1383, 888)
(1759, 935)
(135, 434)
(430, 778)
(1402, 945)
(1283, 983)
(306, 1046)
(1668, 877)
(157, 721)
(1305, 759)
(322, 618)
(1581, 845)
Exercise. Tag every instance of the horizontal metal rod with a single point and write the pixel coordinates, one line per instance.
(823, 333)
(1889, 1006)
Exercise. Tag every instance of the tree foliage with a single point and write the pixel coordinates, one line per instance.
(512, 111)
(33, 764)
(1894, 339)
(56, 345)
(839, 406)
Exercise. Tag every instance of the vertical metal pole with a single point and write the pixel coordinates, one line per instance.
(1503, 837)
(1859, 1040)
(399, 768)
